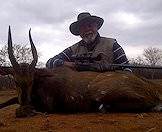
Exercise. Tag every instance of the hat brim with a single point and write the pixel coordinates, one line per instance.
(74, 27)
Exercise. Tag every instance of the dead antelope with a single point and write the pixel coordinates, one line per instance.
(66, 90)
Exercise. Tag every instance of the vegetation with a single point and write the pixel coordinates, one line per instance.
(22, 54)
(151, 56)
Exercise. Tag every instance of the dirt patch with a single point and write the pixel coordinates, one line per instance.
(80, 122)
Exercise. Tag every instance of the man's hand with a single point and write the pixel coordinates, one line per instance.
(69, 64)
(82, 66)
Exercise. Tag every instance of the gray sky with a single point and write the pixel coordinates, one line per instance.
(136, 24)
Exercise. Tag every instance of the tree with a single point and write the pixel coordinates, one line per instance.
(139, 60)
(153, 56)
(3, 56)
(22, 54)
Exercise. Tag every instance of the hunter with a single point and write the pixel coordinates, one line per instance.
(93, 52)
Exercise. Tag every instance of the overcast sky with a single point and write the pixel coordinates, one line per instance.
(136, 24)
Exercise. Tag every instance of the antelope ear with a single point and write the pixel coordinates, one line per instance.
(34, 52)
(10, 52)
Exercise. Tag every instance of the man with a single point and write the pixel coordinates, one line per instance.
(101, 51)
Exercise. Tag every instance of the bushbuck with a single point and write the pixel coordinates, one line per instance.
(63, 89)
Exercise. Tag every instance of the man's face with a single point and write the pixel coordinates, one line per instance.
(88, 31)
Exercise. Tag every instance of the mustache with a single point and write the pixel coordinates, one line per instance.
(88, 33)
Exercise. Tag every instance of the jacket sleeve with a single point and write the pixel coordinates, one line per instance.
(119, 56)
(59, 59)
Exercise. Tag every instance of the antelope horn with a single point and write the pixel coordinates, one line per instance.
(34, 52)
(10, 52)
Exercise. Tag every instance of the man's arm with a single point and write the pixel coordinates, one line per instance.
(119, 56)
(60, 59)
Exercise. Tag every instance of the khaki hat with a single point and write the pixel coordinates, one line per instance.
(84, 17)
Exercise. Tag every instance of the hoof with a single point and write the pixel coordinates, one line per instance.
(25, 111)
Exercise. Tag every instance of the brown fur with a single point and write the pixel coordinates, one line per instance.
(64, 89)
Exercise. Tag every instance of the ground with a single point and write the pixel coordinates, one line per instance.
(80, 122)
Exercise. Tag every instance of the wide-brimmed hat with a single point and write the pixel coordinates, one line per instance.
(84, 17)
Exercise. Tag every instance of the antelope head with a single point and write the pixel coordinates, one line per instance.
(24, 72)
